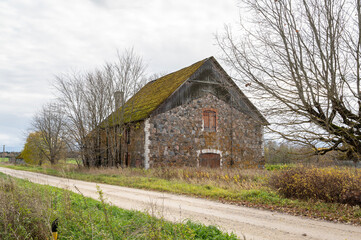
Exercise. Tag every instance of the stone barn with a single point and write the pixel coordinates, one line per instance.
(196, 117)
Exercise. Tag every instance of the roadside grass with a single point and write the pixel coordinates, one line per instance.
(249, 187)
(28, 215)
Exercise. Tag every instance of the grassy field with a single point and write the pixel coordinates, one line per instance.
(71, 161)
(242, 187)
(4, 159)
(28, 215)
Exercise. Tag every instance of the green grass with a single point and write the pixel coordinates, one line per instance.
(83, 218)
(249, 190)
(4, 159)
(71, 161)
(273, 167)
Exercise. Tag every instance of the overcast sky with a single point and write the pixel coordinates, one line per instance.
(43, 38)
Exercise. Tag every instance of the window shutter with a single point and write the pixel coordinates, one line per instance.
(209, 120)
(206, 119)
(212, 121)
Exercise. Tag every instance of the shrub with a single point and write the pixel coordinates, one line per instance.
(339, 185)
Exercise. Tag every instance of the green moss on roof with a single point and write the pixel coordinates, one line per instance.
(147, 99)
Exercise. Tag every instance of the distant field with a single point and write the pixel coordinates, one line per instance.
(67, 161)
(71, 161)
(4, 159)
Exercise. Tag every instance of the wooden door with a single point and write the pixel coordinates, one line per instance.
(211, 160)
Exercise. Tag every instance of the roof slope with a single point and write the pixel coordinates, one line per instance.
(244, 98)
(148, 98)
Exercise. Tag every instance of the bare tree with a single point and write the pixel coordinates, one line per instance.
(128, 72)
(89, 100)
(49, 124)
(301, 59)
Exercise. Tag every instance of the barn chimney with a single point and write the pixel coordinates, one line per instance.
(119, 98)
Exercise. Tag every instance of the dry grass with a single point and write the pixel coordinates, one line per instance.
(232, 179)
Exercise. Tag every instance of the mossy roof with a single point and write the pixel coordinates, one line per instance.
(148, 98)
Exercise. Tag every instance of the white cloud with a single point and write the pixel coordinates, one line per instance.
(43, 38)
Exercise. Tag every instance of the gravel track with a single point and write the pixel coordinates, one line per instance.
(251, 223)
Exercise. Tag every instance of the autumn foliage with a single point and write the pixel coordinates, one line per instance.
(339, 185)
(33, 149)
(36, 150)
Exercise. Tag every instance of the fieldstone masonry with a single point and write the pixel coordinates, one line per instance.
(177, 136)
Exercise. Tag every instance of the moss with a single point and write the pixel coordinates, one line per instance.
(147, 99)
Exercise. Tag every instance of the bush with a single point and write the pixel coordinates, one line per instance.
(339, 185)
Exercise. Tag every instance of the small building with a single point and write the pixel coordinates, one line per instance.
(196, 117)
(17, 160)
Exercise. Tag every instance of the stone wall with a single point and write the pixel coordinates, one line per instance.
(177, 136)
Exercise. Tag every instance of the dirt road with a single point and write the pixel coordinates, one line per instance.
(251, 223)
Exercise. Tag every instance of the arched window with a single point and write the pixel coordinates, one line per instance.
(209, 120)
